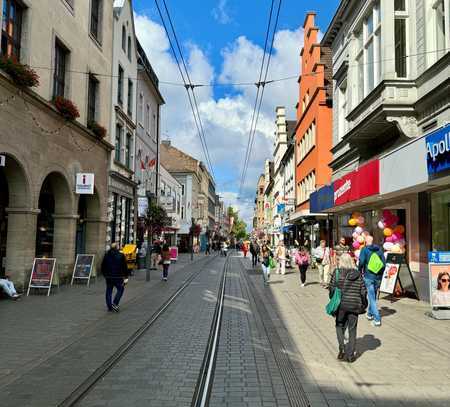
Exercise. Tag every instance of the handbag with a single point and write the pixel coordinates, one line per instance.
(335, 301)
(272, 263)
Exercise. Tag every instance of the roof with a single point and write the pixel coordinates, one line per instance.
(175, 160)
(336, 23)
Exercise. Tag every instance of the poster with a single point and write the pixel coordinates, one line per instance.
(84, 265)
(439, 285)
(42, 274)
(389, 279)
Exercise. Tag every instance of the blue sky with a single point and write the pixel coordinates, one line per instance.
(223, 41)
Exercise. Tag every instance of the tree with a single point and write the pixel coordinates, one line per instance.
(239, 229)
(156, 218)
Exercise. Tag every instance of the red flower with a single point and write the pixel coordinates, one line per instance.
(21, 74)
(67, 108)
(97, 129)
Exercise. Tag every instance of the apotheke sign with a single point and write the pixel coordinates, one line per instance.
(438, 151)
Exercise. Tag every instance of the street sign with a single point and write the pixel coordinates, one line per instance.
(84, 264)
(42, 274)
(2, 160)
(84, 184)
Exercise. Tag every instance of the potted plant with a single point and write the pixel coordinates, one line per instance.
(22, 75)
(67, 108)
(97, 129)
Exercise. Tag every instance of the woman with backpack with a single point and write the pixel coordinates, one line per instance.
(353, 301)
(302, 259)
(266, 257)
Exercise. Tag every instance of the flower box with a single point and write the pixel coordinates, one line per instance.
(67, 108)
(97, 129)
(22, 75)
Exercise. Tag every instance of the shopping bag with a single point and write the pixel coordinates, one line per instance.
(335, 300)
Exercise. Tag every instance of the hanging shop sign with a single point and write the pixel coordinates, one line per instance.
(142, 206)
(2, 160)
(84, 265)
(438, 151)
(439, 276)
(358, 184)
(84, 184)
(42, 274)
(281, 207)
(322, 199)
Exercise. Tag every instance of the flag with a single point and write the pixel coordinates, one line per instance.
(152, 163)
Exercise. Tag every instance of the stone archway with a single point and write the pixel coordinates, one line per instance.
(17, 219)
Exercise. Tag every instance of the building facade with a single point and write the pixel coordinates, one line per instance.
(170, 199)
(41, 215)
(313, 131)
(122, 185)
(268, 200)
(258, 217)
(391, 70)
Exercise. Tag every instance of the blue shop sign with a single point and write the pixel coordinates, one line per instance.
(281, 208)
(322, 199)
(438, 151)
(439, 257)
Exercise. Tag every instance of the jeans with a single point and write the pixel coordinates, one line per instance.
(303, 268)
(254, 259)
(346, 320)
(165, 270)
(8, 287)
(266, 272)
(281, 266)
(110, 284)
(373, 285)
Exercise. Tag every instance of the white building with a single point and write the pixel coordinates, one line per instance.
(170, 200)
(122, 187)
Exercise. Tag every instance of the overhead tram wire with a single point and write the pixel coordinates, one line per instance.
(187, 86)
(263, 83)
(246, 159)
(192, 87)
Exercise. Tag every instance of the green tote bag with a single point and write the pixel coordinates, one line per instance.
(335, 300)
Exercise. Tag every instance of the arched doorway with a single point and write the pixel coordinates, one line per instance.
(4, 198)
(88, 217)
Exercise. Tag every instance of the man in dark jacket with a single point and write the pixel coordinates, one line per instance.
(353, 302)
(115, 271)
(254, 250)
(372, 279)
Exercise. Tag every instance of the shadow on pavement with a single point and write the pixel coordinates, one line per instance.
(367, 343)
(386, 312)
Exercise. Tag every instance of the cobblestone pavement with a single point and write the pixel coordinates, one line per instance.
(53, 343)
(405, 362)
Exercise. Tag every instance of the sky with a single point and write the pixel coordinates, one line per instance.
(223, 43)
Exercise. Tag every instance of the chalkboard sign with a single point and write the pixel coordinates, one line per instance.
(42, 274)
(404, 284)
(84, 265)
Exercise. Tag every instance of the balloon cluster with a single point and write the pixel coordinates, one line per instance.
(359, 234)
(393, 232)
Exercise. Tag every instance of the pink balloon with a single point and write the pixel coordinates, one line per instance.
(356, 245)
(389, 239)
(355, 235)
(396, 237)
(386, 213)
(365, 233)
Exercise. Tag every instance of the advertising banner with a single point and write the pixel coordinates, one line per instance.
(358, 184)
(42, 274)
(322, 199)
(389, 278)
(84, 264)
(438, 151)
(439, 272)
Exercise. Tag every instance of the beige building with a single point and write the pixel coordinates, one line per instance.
(258, 218)
(69, 45)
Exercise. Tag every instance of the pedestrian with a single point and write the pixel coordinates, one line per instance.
(208, 248)
(302, 259)
(8, 287)
(115, 270)
(165, 259)
(245, 249)
(156, 255)
(280, 255)
(266, 256)
(339, 250)
(372, 264)
(353, 302)
(254, 250)
(322, 256)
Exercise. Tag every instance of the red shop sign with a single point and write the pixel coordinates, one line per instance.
(361, 183)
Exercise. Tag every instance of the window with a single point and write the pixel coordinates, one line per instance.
(182, 212)
(400, 47)
(147, 118)
(440, 27)
(141, 109)
(11, 28)
(129, 48)
(92, 98)
(124, 39)
(399, 5)
(59, 75)
(128, 150)
(120, 87)
(130, 98)
(307, 142)
(342, 109)
(154, 129)
(118, 143)
(182, 189)
(96, 8)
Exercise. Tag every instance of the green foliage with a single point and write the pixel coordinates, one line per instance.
(157, 217)
(239, 229)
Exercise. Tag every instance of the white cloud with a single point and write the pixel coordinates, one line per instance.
(220, 13)
(226, 120)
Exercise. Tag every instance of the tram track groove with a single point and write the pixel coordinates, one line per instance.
(82, 390)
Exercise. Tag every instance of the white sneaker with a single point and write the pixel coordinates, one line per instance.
(303, 284)
(376, 323)
(369, 317)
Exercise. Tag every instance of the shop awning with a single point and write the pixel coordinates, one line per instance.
(322, 199)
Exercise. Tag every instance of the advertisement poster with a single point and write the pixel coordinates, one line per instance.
(84, 265)
(440, 285)
(389, 278)
(42, 274)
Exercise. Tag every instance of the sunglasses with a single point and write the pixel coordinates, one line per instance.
(444, 280)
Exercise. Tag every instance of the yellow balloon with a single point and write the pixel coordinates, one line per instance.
(353, 222)
(387, 232)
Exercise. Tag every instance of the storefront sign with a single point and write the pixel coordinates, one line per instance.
(84, 184)
(84, 264)
(142, 206)
(281, 208)
(438, 151)
(322, 199)
(389, 279)
(42, 274)
(2, 160)
(439, 272)
(361, 183)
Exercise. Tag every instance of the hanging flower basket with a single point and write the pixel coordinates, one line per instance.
(97, 129)
(67, 108)
(22, 75)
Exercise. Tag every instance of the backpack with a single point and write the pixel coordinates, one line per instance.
(335, 300)
(375, 264)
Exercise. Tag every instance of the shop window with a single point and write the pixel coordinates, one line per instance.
(440, 220)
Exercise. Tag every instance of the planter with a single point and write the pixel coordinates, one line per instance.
(22, 75)
(97, 129)
(67, 108)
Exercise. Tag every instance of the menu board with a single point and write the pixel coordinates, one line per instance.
(42, 274)
(84, 265)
